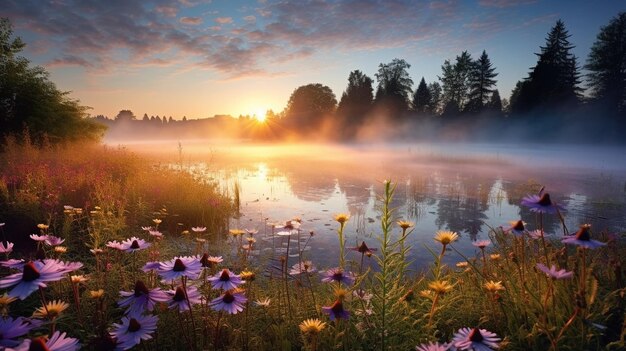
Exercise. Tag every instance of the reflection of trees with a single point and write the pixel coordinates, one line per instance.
(309, 180)
(517, 191)
(462, 205)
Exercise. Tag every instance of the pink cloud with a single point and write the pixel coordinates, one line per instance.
(194, 21)
(224, 20)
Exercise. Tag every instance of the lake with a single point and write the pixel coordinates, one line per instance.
(465, 188)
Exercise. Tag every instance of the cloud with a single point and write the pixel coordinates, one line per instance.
(194, 21)
(250, 19)
(504, 3)
(224, 20)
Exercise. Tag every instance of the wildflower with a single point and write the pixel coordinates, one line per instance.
(553, 273)
(251, 240)
(200, 240)
(141, 299)
(39, 238)
(226, 280)
(263, 303)
(132, 330)
(52, 309)
(52, 240)
(236, 232)
(6, 249)
(78, 279)
(147, 229)
(5, 301)
(336, 311)
(583, 238)
(285, 233)
(210, 261)
(96, 294)
(134, 244)
(475, 339)
(517, 228)
(338, 275)
(247, 275)
(535, 234)
(364, 249)
(178, 298)
(340, 293)
(541, 204)
(151, 266)
(342, 218)
(155, 234)
(43, 226)
(34, 275)
(446, 237)
(180, 266)
(302, 267)
(60, 249)
(57, 342)
(312, 326)
(185, 232)
(426, 294)
(494, 257)
(96, 251)
(481, 244)
(432, 347)
(115, 245)
(251, 232)
(440, 287)
(232, 302)
(157, 221)
(462, 264)
(494, 287)
(198, 229)
(405, 224)
(13, 328)
(362, 294)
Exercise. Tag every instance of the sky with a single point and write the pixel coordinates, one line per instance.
(199, 58)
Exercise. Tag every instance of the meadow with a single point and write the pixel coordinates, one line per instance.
(105, 250)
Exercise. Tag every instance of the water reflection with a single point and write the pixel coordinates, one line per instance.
(457, 194)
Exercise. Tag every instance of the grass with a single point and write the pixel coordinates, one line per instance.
(502, 290)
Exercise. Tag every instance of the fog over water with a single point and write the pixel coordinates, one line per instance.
(461, 187)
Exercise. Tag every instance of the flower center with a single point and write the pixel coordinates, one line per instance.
(337, 307)
(338, 276)
(363, 248)
(545, 200)
(205, 260)
(38, 344)
(133, 325)
(141, 289)
(519, 226)
(224, 277)
(179, 266)
(180, 295)
(134, 245)
(475, 335)
(30, 273)
(228, 297)
(583, 233)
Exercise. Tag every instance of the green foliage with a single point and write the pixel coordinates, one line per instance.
(394, 87)
(30, 102)
(455, 83)
(422, 99)
(356, 101)
(309, 103)
(481, 83)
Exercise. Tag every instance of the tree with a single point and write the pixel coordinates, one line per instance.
(481, 83)
(125, 115)
(394, 87)
(308, 104)
(422, 99)
(455, 83)
(30, 102)
(356, 101)
(607, 67)
(435, 97)
(494, 106)
(145, 117)
(553, 82)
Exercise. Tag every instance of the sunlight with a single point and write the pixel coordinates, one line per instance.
(259, 115)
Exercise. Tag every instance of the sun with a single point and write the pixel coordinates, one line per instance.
(259, 115)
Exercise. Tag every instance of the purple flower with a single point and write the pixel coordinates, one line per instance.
(338, 275)
(141, 299)
(13, 263)
(134, 244)
(57, 342)
(553, 273)
(134, 329)
(517, 228)
(432, 347)
(302, 267)
(481, 244)
(52, 240)
(475, 339)
(583, 238)
(12, 328)
(180, 266)
(336, 311)
(6, 249)
(226, 280)
(232, 302)
(39, 238)
(536, 234)
(541, 203)
(151, 266)
(179, 301)
(115, 245)
(364, 249)
(198, 229)
(34, 275)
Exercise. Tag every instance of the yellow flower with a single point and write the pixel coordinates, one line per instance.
(78, 279)
(42, 226)
(251, 240)
(494, 257)
(5, 301)
(236, 232)
(446, 237)
(52, 310)
(426, 293)
(263, 303)
(247, 275)
(312, 326)
(342, 218)
(405, 224)
(462, 264)
(60, 249)
(185, 232)
(157, 221)
(493, 287)
(96, 294)
(341, 293)
(440, 287)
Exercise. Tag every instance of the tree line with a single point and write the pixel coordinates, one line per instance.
(466, 90)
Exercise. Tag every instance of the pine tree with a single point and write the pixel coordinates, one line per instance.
(481, 83)
(422, 99)
(607, 67)
(435, 98)
(455, 83)
(495, 103)
(356, 101)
